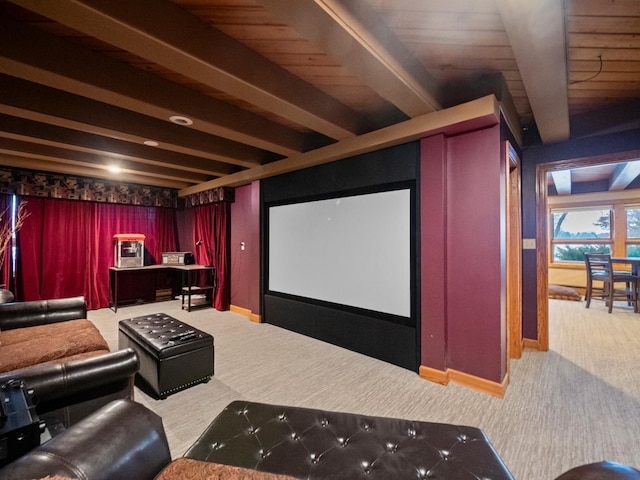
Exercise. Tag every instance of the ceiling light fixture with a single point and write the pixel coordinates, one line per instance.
(150, 143)
(114, 169)
(180, 120)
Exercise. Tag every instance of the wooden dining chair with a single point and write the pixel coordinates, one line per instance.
(600, 269)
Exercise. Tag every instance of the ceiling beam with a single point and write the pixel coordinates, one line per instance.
(33, 55)
(562, 181)
(48, 105)
(624, 174)
(537, 34)
(473, 115)
(352, 34)
(42, 164)
(165, 34)
(25, 148)
(108, 148)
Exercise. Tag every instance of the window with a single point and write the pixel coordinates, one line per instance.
(575, 231)
(633, 230)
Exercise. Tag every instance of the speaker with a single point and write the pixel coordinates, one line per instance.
(189, 259)
(20, 427)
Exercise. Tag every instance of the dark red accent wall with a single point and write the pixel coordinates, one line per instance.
(245, 264)
(463, 253)
(433, 234)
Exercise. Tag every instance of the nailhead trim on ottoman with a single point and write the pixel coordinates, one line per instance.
(173, 355)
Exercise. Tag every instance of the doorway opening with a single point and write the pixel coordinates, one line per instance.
(542, 232)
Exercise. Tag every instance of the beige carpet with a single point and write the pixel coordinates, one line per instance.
(577, 403)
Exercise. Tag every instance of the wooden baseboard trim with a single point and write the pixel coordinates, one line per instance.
(481, 384)
(434, 375)
(247, 313)
(470, 381)
(532, 344)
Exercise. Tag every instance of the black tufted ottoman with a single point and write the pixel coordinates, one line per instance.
(173, 355)
(315, 444)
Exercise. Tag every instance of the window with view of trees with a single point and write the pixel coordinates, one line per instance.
(576, 231)
(613, 229)
(633, 230)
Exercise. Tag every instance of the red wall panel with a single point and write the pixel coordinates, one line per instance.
(245, 263)
(433, 235)
(463, 253)
(475, 253)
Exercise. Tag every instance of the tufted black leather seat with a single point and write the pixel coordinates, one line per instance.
(315, 444)
(173, 355)
(601, 471)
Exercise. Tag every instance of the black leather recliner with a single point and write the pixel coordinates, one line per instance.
(121, 440)
(126, 440)
(67, 391)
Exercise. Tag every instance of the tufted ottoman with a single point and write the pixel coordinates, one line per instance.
(173, 355)
(315, 444)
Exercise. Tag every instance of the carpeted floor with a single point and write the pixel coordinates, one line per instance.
(576, 404)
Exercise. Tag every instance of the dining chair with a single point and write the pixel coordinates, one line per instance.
(600, 269)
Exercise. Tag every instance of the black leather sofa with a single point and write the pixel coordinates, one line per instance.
(316, 444)
(40, 312)
(69, 391)
(297, 442)
(67, 388)
(126, 440)
(122, 440)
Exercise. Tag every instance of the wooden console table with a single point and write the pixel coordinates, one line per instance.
(187, 286)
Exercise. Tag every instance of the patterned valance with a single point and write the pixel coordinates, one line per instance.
(215, 195)
(27, 182)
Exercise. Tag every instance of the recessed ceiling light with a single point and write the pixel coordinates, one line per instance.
(114, 169)
(151, 143)
(180, 120)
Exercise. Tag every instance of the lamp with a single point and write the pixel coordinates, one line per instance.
(207, 253)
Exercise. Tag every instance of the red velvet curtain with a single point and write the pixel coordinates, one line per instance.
(66, 246)
(211, 225)
(5, 269)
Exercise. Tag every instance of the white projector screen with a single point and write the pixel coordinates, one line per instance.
(353, 251)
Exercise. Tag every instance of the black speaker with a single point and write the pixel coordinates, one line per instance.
(20, 427)
(188, 258)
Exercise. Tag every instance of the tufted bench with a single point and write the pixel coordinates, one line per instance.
(315, 444)
(173, 355)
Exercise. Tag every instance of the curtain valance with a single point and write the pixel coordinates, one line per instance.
(68, 187)
(214, 195)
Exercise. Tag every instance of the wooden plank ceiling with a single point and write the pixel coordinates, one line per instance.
(261, 87)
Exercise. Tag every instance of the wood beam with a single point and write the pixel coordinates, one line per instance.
(24, 148)
(43, 134)
(350, 33)
(624, 174)
(33, 55)
(562, 181)
(537, 34)
(41, 163)
(47, 105)
(167, 35)
(473, 115)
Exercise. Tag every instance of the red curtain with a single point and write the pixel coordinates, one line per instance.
(5, 261)
(66, 246)
(211, 226)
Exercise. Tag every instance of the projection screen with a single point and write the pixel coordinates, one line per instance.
(353, 250)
